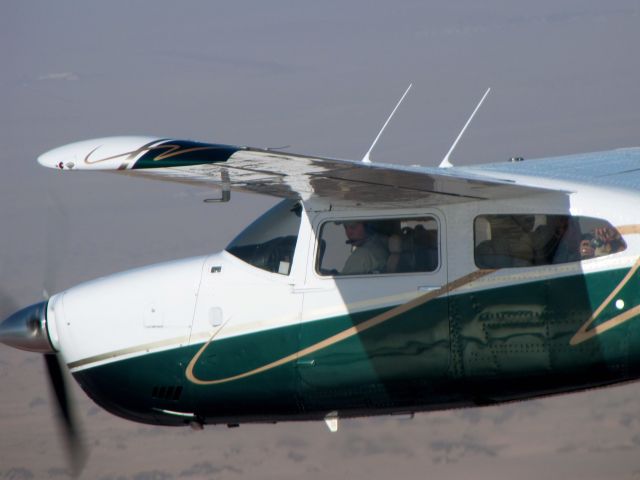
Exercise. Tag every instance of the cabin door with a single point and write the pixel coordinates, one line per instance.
(380, 337)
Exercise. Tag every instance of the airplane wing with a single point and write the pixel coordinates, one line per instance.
(618, 168)
(281, 174)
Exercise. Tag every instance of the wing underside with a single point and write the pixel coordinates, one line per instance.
(281, 174)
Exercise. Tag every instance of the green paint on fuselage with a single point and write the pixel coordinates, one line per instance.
(488, 346)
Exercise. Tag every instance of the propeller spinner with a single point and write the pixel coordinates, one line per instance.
(27, 329)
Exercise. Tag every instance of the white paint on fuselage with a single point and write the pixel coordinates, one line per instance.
(172, 304)
(110, 314)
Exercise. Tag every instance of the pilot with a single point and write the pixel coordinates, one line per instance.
(369, 252)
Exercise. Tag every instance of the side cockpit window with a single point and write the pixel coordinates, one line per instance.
(519, 240)
(270, 242)
(376, 246)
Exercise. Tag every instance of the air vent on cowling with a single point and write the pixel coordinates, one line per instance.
(167, 393)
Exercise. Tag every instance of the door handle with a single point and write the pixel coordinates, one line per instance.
(426, 288)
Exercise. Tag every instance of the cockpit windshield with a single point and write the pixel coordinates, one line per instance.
(270, 242)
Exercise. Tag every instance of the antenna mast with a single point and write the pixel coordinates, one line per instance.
(445, 161)
(366, 158)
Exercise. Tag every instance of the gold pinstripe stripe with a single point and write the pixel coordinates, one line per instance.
(338, 337)
(628, 229)
(126, 351)
(583, 334)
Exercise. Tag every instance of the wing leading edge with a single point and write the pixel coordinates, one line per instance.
(280, 174)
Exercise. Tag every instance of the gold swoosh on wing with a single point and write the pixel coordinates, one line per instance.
(131, 154)
(174, 150)
(338, 337)
(171, 151)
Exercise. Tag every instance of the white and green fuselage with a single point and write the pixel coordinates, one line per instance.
(216, 339)
(496, 285)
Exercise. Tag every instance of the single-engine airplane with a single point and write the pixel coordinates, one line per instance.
(369, 289)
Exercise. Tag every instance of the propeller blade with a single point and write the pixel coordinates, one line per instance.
(75, 449)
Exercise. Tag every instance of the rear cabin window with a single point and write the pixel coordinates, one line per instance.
(370, 246)
(504, 241)
(270, 242)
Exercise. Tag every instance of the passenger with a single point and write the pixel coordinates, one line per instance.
(601, 241)
(558, 241)
(521, 242)
(511, 243)
(368, 250)
(586, 247)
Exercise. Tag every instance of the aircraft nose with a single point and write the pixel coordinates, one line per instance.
(27, 329)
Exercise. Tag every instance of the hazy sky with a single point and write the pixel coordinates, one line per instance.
(320, 77)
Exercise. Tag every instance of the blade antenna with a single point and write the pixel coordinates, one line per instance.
(445, 161)
(366, 158)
